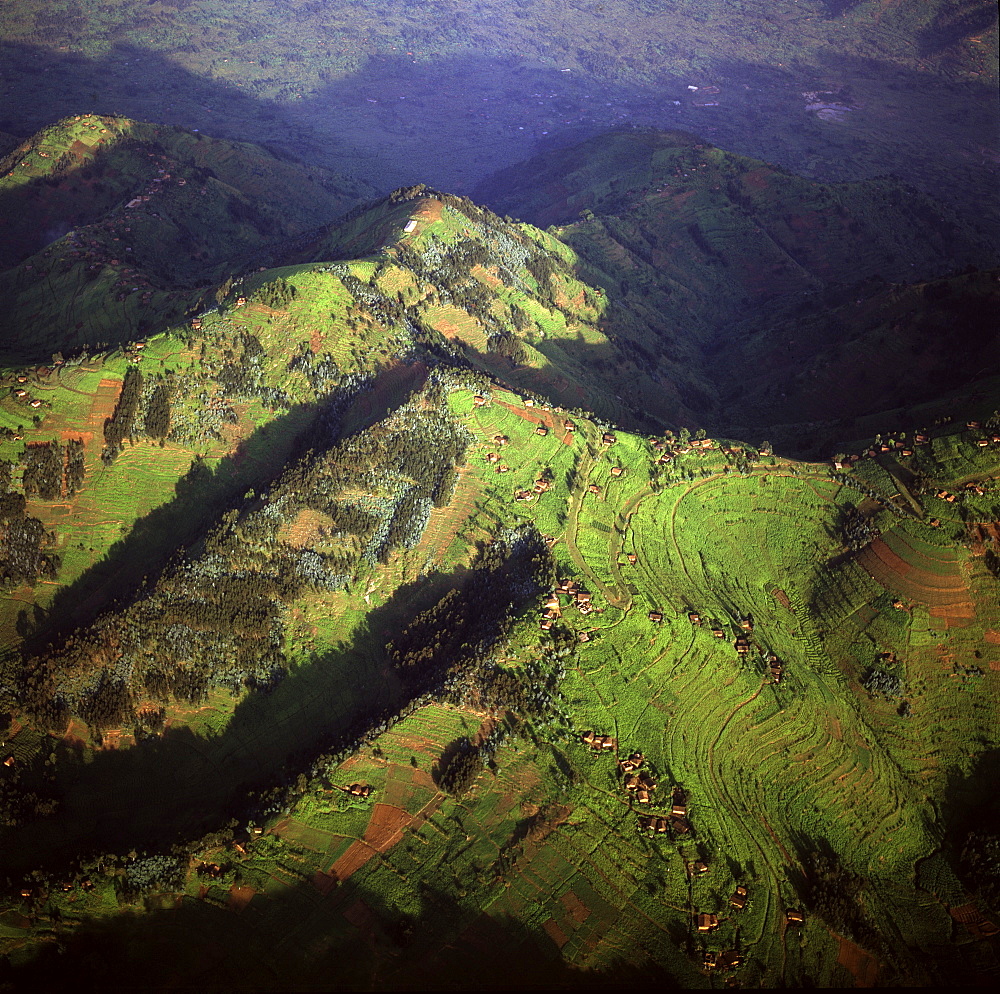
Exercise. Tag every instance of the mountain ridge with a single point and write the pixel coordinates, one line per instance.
(336, 574)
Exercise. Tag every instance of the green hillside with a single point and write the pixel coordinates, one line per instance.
(385, 607)
(770, 292)
(103, 210)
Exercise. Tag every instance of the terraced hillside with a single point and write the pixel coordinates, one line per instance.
(353, 636)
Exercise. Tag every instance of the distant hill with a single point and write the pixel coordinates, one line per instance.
(97, 208)
(713, 253)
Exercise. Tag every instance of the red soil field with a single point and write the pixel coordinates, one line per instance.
(946, 596)
(384, 830)
(240, 897)
(575, 907)
(555, 933)
(859, 963)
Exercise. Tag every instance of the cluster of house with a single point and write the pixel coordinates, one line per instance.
(992, 439)
(636, 780)
(22, 395)
(706, 922)
(578, 598)
(670, 450)
(676, 822)
(493, 458)
(39, 891)
(599, 743)
(728, 959)
(900, 447)
(361, 790)
(541, 485)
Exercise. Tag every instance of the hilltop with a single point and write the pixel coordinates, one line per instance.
(99, 208)
(384, 592)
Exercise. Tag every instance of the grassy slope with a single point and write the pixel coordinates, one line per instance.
(101, 209)
(773, 772)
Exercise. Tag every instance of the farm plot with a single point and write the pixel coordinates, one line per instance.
(911, 573)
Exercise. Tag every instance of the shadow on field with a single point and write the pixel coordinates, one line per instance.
(200, 496)
(172, 788)
(132, 564)
(354, 937)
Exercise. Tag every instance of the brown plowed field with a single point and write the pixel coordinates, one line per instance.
(551, 420)
(384, 830)
(240, 897)
(555, 933)
(575, 906)
(859, 963)
(946, 595)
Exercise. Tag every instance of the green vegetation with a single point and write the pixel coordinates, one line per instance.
(394, 612)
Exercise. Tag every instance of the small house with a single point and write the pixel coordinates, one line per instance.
(729, 959)
(718, 633)
(694, 617)
(583, 636)
(569, 426)
(617, 471)
(608, 439)
(655, 616)
(410, 225)
(479, 400)
(699, 868)
(794, 917)
(587, 738)
(706, 922)
(632, 558)
(594, 489)
(541, 430)
(9, 761)
(739, 898)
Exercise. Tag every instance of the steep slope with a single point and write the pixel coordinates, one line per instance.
(98, 208)
(717, 255)
(351, 638)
